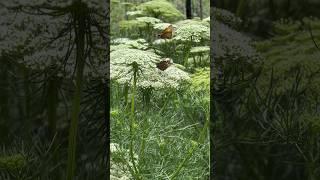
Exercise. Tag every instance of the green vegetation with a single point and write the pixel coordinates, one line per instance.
(159, 114)
(53, 78)
(266, 92)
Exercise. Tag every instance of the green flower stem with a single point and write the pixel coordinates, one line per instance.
(166, 102)
(187, 52)
(52, 105)
(186, 56)
(27, 104)
(191, 150)
(125, 93)
(80, 58)
(241, 8)
(135, 73)
(194, 61)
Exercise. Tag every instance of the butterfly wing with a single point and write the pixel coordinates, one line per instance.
(167, 33)
(164, 64)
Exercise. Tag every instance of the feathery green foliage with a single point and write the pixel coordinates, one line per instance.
(226, 17)
(201, 80)
(265, 103)
(161, 129)
(290, 50)
(13, 162)
(161, 9)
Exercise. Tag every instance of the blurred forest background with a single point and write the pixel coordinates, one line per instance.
(265, 101)
(199, 8)
(53, 90)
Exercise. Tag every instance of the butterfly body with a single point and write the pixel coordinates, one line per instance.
(166, 33)
(164, 64)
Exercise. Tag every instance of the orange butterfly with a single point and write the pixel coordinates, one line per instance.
(166, 33)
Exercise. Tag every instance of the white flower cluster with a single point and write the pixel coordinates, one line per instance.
(162, 26)
(206, 19)
(125, 57)
(118, 170)
(120, 40)
(129, 43)
(119, 46)
(58, 3)
(139, 22)
(93, 4)
(171, 78)
(226, 17)
(200, 49)
(32, 37)
(134, 13)
(149, 76)
(149, 20)
(228, 43)
(192, 22)
(192, 32)
(45, 41)
(162, 41)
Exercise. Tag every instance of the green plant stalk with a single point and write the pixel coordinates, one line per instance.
(80, 58)
(133, 121)
(166, 102)
(310, 170)
(191, 150)
(147, 97)
(125, 93)
(185, 64)
(149, 32)
(194, 61)
(241, 8)
(4, 104)
(187, 52)
(311, 166)
(27, 104)
(200, 61)
(52, 103)
(52, 106)
(143, 141)
(186, 56)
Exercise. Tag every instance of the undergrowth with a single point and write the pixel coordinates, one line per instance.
(159, 117)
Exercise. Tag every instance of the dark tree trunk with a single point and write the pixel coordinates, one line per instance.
(241, 9)
(271, 9)
(213, 3)
(288, 6)
(188, 9)
(201, 9)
